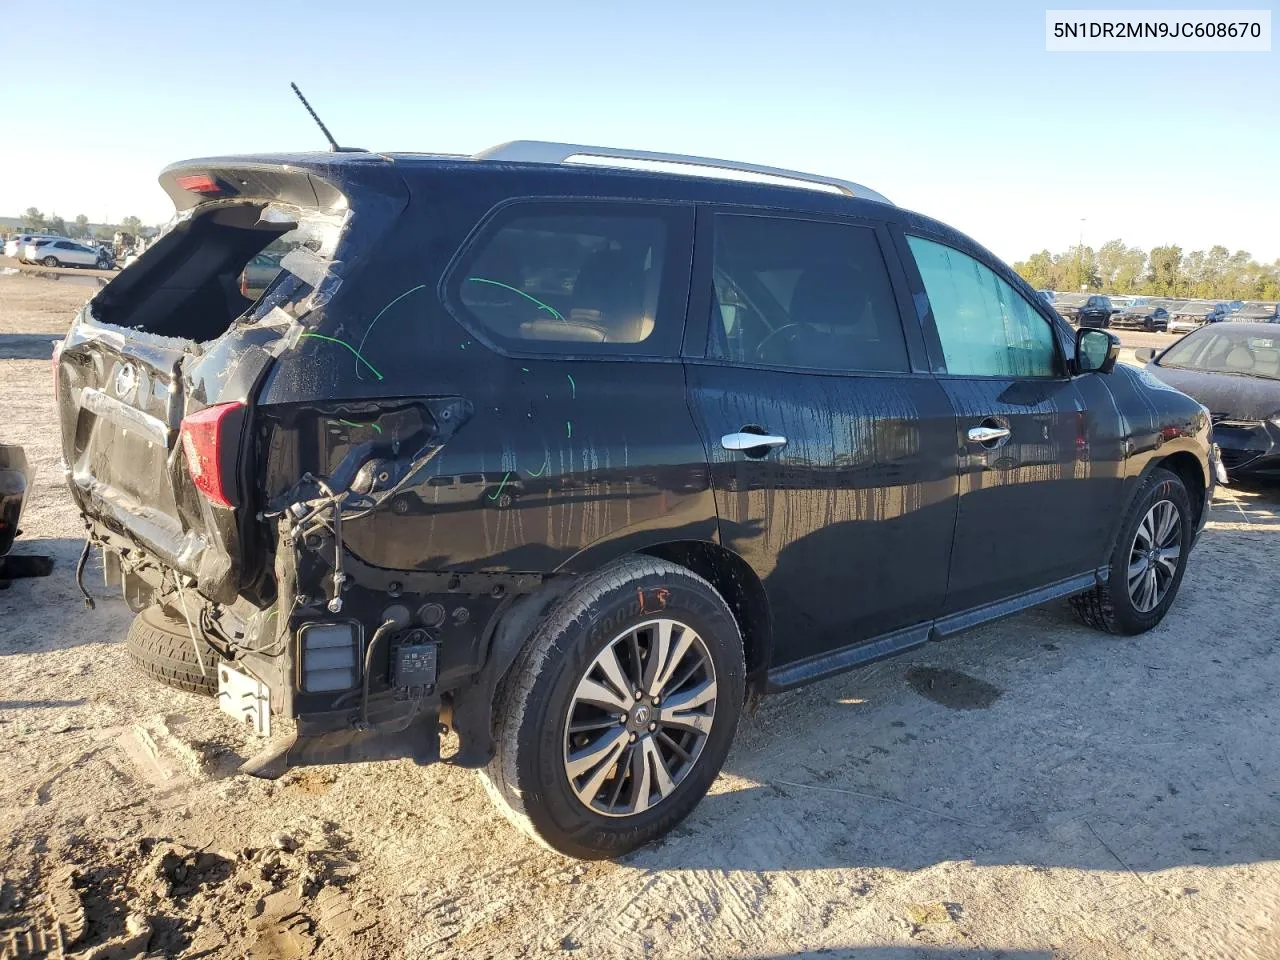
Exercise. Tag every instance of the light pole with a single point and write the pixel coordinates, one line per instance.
(1080, 257)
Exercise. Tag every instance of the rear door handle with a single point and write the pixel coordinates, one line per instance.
(988, 434)
(750, 441)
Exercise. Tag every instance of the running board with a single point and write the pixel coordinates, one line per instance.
(888, 645)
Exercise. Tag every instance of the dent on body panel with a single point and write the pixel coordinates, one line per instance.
(558, 456)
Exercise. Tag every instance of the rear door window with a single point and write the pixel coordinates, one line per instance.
(592, 278)
(986, 327)
(803, 294)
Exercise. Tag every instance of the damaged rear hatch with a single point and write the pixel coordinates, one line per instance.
(157, 377)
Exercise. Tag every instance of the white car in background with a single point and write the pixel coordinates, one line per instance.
(61, 252)
(16, 245)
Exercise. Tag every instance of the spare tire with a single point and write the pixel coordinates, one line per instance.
(159, 644)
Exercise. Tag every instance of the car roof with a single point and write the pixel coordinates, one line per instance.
(798, 193)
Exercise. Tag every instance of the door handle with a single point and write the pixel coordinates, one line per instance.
(750, 441)
(988, 434)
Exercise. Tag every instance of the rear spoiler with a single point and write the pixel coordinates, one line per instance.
(309, 181)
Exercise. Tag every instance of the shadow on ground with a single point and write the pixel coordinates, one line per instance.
(1088, 751)
(41, 614)
(910, 953)
(27, 346)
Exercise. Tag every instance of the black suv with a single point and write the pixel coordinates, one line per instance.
(1096, 312)
(569, 460)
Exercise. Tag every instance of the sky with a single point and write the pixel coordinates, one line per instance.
(954, 110)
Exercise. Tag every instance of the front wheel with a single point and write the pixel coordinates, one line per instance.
(1148, 561)
(616, 716)
(103, 265)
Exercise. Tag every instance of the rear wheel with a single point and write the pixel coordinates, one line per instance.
(159, 644)
(1148, 561)
(616, 716)
(51, 262)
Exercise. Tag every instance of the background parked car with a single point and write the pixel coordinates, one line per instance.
(1096, 312)
(1144, 316)
(66, 253)
(16, 245)
(1194, 314)
(1068, 305)
(1234, 370)
(1255, 312)
(1048, 296)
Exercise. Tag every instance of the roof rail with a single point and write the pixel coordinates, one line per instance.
(540, 151)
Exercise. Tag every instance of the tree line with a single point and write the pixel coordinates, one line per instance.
(33, 221)
(1213, 274)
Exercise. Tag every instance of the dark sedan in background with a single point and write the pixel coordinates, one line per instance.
(1234, 370)
(1143, 316)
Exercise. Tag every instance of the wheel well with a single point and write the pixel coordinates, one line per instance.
(742, 591)
(1187, 467)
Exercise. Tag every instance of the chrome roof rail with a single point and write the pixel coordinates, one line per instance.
(540, 151)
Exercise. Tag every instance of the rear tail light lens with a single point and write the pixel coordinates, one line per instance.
(200, 183)
(205, 440)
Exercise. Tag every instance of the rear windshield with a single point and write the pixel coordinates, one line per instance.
(223, 264)
(1227, 351)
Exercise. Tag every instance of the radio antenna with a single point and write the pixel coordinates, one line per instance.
(333, 144)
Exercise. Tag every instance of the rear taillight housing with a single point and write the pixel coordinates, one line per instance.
(208, 441)
(201, 183)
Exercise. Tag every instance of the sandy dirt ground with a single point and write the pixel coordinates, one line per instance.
(1093, 796)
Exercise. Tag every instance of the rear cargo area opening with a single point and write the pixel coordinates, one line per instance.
(211, 269)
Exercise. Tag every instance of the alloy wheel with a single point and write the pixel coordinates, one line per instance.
(639, 718)
(1153, 557)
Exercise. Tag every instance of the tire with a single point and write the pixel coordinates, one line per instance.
(102, 265)
(529, 777)
(1113, 606)
(51, 262)
(159, 644)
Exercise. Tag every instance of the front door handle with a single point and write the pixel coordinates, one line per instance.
(989, 434)
(750, 441)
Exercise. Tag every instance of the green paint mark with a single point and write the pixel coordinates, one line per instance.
(524, 369)
(545, 461)
(421, 286)
(497, 493)
(343, 343)
(352, 423)
(568, 426)
(573, 388)
(462, 346)
(534, 300)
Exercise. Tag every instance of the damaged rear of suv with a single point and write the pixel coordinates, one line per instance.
(565, 460)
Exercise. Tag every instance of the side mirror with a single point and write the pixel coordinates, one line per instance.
(1096, 350)
(1144, 354)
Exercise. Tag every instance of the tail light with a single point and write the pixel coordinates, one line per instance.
(208, 443)
(201, 183)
